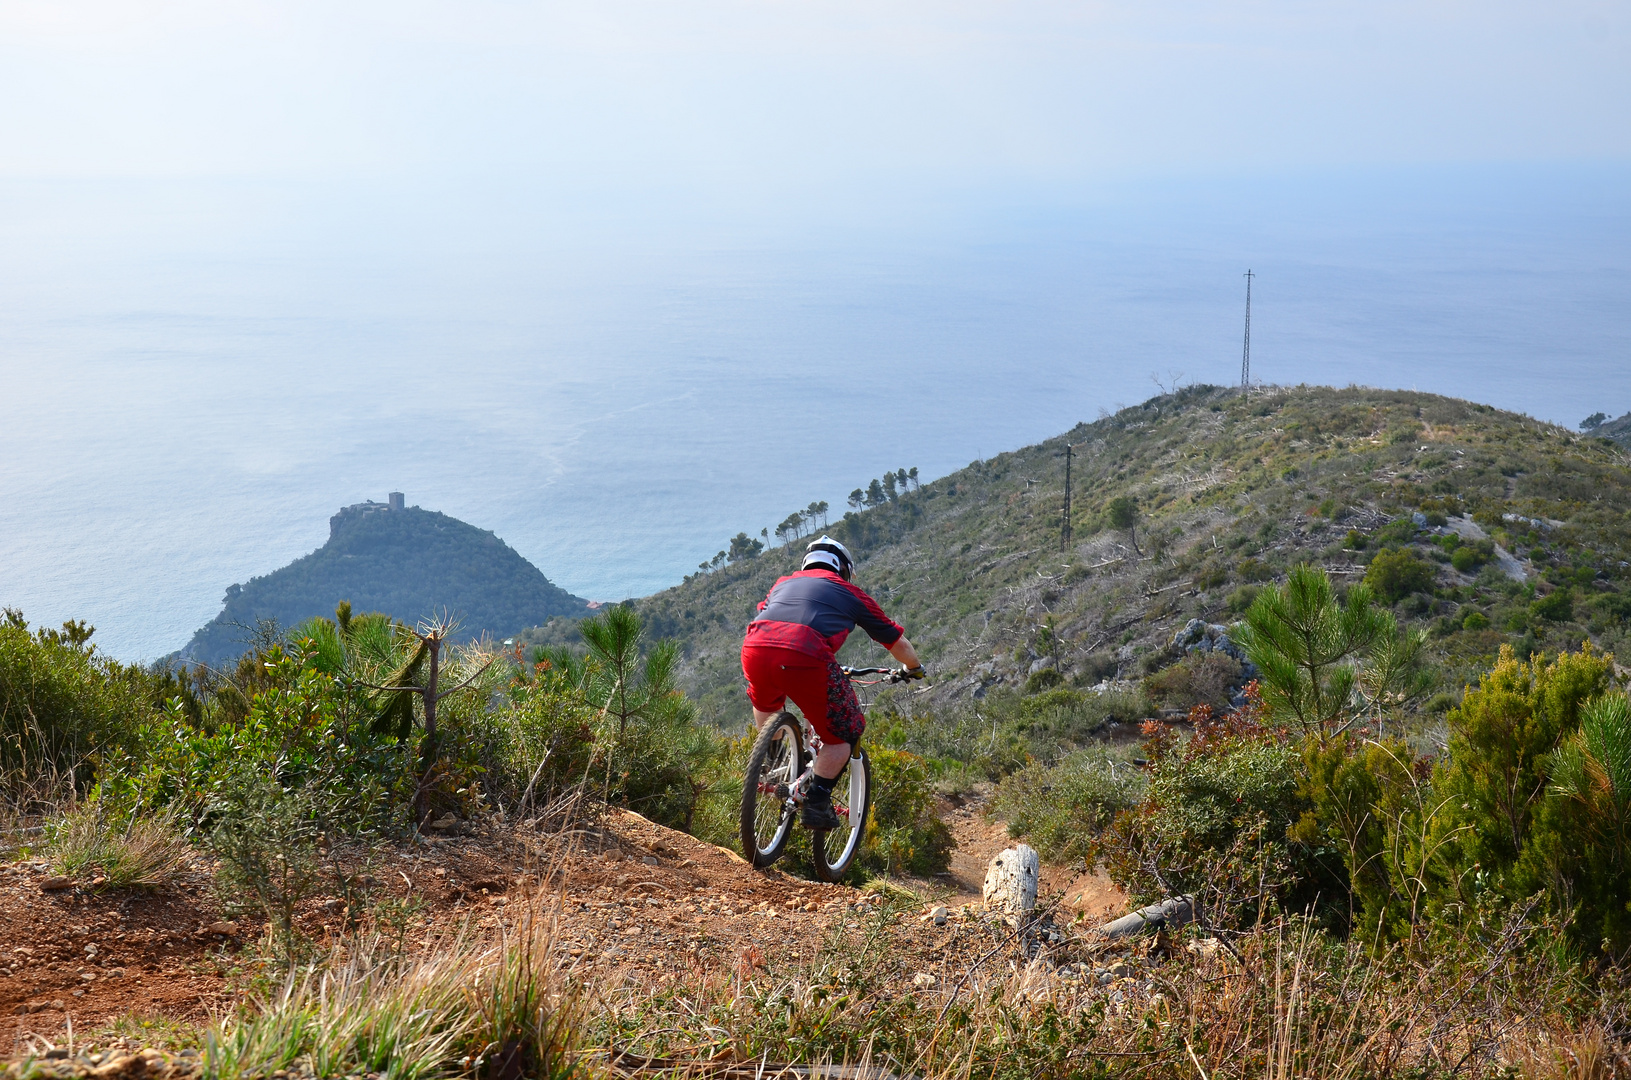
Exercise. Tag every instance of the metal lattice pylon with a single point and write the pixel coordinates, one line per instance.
(1246, 350)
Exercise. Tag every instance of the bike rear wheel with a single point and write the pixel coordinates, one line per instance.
(768, 814)
(835, 848)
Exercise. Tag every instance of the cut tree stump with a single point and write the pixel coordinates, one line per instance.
(1010, 882)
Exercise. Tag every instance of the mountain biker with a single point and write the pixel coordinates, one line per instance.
(791, 651)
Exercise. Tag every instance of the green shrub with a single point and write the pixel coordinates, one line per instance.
(1394, 575)
(1241, 599)
(306, 732)
(1096, 667)
(1475, 620)
(1063, 808)
(904, 834)
(1615, 607)
(1211, 814)
(1355, 540)
(1251, 569)
(963, 745)
(1061, 719)
(1494, 776)
(1440, 703)
(1202, 678)
(62, 706)
(1558, 606)
(1211, 577)
(1468, 558)
(1345, 845)
(266, 838)
(553, 738)
(1046, 679)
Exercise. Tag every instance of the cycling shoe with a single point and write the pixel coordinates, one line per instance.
(818, 812)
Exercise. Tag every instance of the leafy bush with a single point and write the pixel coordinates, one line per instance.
(1060, 720)
(1494, 777)
(1096, 667)
(307, 731)
(1468, 558)
(960, 747)
(553, 734)
(1241, 599)
(1347, 843)
(1252, 569)
(266, 839)
(1063, 808)
(1046, 679)
(1202, 678)
(1394, 575)
(1558, 606)
(1397, 532)
(904, 834)
(61, 705)
(1215, 810)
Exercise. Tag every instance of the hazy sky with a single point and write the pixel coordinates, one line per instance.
(797, 96)
(598, 241)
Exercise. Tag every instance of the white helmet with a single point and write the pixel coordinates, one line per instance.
(828, 554)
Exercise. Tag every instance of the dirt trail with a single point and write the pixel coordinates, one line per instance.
(635, 902)
(1090, 894)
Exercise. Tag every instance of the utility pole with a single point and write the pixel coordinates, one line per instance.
(1246, 352)
(1064, 531)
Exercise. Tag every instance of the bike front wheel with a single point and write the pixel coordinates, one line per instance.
(777, 760)
(835, 848)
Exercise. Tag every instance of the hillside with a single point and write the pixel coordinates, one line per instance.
(1229, 493)
(1618, 430)
(403, 561)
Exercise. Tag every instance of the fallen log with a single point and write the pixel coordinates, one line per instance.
(1172, 912)
(625, 1063)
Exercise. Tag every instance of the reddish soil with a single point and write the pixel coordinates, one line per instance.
(97, 956)
(632, 900)
(1089, 895)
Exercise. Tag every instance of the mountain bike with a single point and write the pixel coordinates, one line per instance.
(780, 769)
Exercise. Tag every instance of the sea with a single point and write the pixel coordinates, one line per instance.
(194, 375)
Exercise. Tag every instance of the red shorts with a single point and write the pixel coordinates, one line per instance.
(818, 687)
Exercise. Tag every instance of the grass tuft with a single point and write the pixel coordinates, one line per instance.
(458, 1007)
(142, 853)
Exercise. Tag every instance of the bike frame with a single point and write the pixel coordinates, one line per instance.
(796, 791)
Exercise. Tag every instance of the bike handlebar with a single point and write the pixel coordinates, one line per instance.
(896, 675)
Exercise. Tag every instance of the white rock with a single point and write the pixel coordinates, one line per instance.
(923, 980)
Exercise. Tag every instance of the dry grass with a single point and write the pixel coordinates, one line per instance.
(142, 852)
(460, 1007)
(27, 801)
(1294, 1004)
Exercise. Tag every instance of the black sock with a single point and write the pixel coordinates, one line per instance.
(823, 783)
